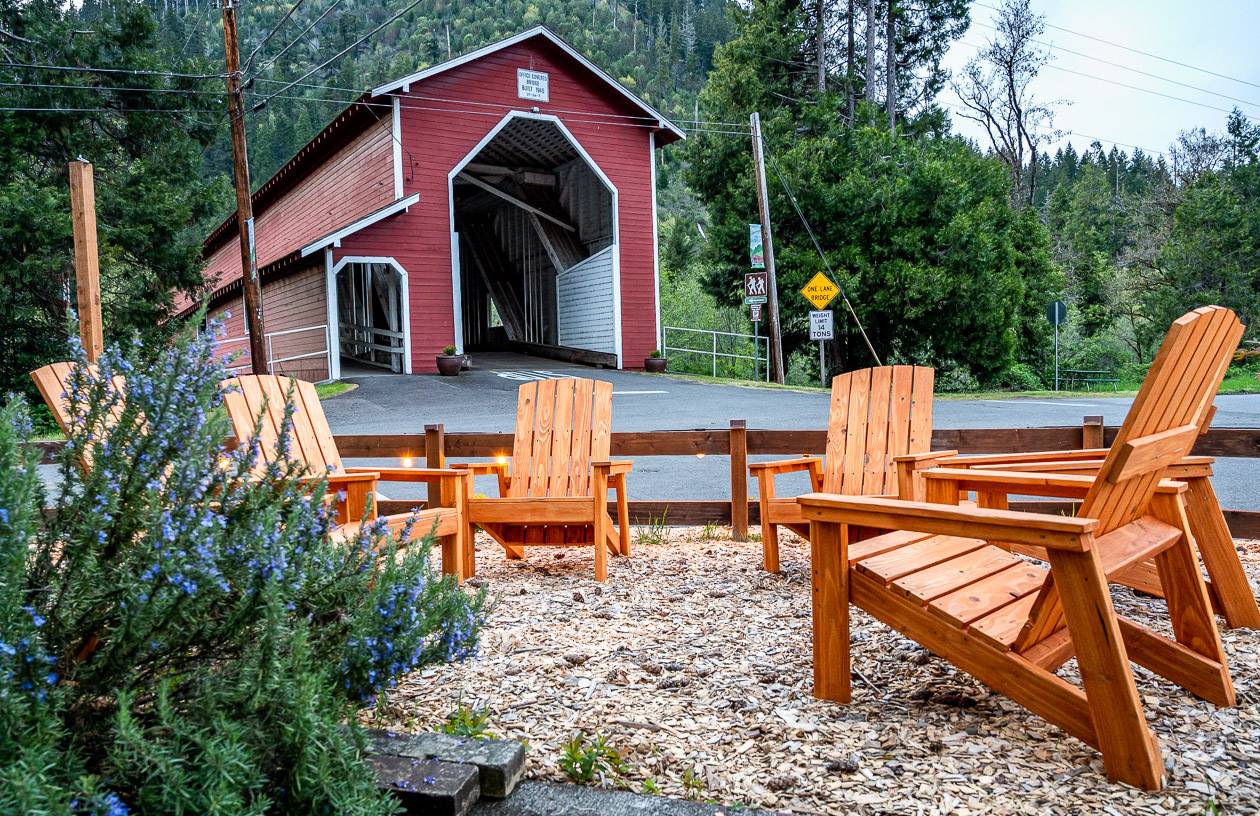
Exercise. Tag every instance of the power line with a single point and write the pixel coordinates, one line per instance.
(341, 53)
(300, 35)
(250, 59)
(577, 119)
(95, 70)
(1137, 51)
(1135, 70)
(110, 88)
(647, 120)
(1054, 67)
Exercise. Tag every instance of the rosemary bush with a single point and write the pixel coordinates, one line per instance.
(178, 637)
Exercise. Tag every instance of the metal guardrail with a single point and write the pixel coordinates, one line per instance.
(761, 364)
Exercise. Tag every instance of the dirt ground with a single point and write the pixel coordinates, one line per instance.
(694, 664)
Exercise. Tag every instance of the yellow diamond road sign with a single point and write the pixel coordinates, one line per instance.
(820, 291)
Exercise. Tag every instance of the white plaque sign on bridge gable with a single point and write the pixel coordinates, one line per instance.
(533, 85)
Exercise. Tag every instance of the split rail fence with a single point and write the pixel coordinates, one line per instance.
(739, 442)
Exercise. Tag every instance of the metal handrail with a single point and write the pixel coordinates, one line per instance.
(714, 354)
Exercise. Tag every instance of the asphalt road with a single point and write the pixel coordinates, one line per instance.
(484, 399)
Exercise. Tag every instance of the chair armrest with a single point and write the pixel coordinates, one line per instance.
(400, 474)
(1061, 485)
(927, 459)
(482, 468)
(351, 476)
(1035, 529)
(1018, 458)
(613, 468)
(786, 465)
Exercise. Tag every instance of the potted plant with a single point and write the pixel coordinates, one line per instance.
(449, 363)
(654, 362)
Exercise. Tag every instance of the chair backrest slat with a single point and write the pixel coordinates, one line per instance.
(53, 382)
(876, 414)
(561, 427)
(249, 396)
(1175, 398)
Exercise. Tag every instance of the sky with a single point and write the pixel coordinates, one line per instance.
(1218, 35)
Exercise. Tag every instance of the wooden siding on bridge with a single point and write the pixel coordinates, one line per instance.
(354, 181)
(293, 302)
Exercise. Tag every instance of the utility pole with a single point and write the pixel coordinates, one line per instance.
(86, 263)
(891, 65)
(244, 205)
(763, 205)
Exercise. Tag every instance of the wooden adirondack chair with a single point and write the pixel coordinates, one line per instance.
(311, 443)
(555, 492)
(53, 382)
(876, 414)
(946, 577)
(1228, 587)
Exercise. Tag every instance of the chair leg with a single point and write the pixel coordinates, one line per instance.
(829, 568)
(769, 531)
(1216, 548)
(465, 555)
(1130, 750)
(623, 516)
(602, 522)
(1189, 607)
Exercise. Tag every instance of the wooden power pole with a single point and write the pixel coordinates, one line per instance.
(87, 275)
(767, 243)
(244, 205)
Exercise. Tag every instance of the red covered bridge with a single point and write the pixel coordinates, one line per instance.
(504, 199)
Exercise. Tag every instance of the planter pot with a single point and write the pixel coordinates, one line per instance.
(450, 364)
(655, 365)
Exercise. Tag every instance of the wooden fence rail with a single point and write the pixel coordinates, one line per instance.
(739, 442)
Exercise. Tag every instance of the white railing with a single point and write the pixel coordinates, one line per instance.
(761, 364)
(272, 360)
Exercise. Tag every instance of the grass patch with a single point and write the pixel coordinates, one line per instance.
(656, 531)
(332, 389)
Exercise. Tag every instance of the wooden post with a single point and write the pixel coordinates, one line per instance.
(244, 204)
(767, 244)
(739, 479)
(435, 445)
(86, 263)
(1092, 432)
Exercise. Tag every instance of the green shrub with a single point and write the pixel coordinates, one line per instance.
(1020, 377)
(178, 637)
(587, 760)
(955, 379)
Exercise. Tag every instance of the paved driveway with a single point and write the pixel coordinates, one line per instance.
(484, 399)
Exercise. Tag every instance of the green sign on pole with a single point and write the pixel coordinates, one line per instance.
(756, 251)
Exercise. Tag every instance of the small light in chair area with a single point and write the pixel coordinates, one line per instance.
(700, 455)
(406, 461)
(225, 462)
(501, 459)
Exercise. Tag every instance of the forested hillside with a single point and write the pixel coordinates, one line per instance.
(660, 49)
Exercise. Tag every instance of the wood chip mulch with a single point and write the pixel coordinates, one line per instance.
(695, 665)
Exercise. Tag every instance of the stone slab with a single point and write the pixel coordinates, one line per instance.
(556, 799)
(428, 786)
(500, 762)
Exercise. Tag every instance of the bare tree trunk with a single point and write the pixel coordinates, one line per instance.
(869, 87)
(891, 53)
(848, 71)
(821, 45)
(634, 29)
